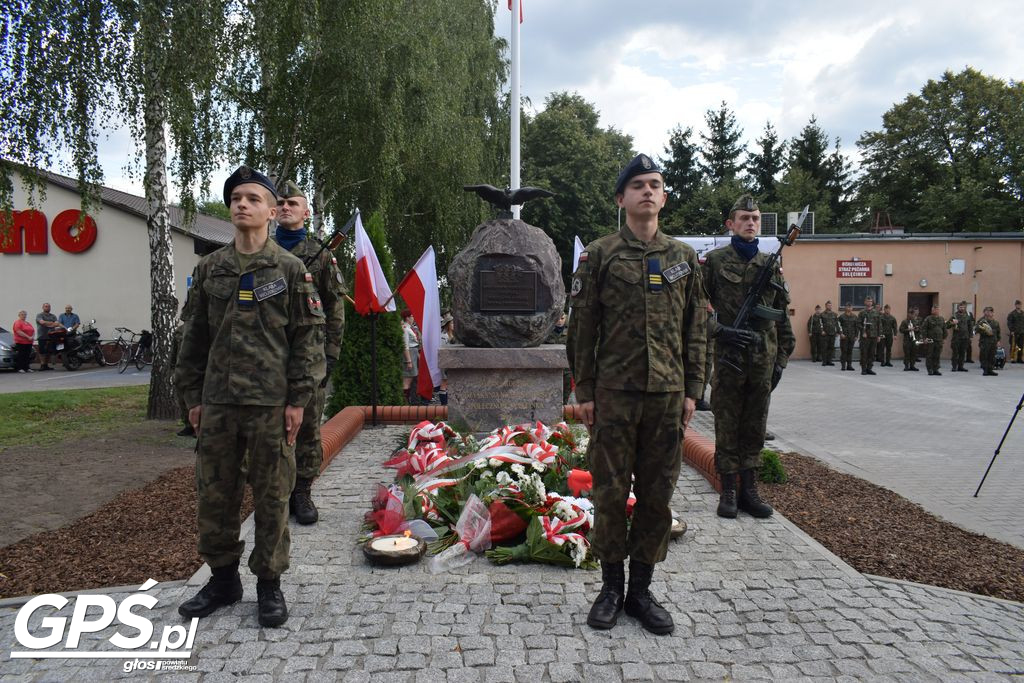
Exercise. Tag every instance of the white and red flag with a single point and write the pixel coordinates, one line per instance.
(419, 290)
(577, 249)
(510, 3)
(372, 289)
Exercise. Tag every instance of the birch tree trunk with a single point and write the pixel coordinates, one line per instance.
(162, 403)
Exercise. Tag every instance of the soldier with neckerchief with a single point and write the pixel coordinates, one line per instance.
(251, 356)
(292, 214)
(636, 350)
(748, 362)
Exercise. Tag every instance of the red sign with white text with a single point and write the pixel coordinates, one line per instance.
(853, 268)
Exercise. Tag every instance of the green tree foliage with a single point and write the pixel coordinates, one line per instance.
(765, 165)
(387, 105)
(720, 147)
(681, 165)
(352, 378)
(797, 189)
(950, 158)
(824, 178)
(567, 152)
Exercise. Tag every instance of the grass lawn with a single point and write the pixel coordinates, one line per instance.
(45, 417)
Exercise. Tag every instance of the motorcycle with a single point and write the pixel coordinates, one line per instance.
(78, 348)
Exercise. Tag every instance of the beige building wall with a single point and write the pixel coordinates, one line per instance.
(108, 282)
(992, 277)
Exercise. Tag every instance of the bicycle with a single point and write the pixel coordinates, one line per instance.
(115, 349)
(139, 351)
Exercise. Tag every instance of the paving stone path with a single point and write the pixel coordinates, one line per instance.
(752, 600)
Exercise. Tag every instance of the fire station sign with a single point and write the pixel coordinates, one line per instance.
(853, 268)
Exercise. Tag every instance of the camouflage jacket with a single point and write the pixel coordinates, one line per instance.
(887, 325)
(964, 326)
(993, 326)
(727, 277)
(848, 325)
(814, 325)
(830, 322)
(1015, 322)
(261, 347)
(869, 323)
(330, 285)
(911, 325)
(625, 335)
(933, 327)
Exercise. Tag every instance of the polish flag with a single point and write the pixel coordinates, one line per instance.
(372, 289)
(419, 290)
(520, 10)
(577, 249)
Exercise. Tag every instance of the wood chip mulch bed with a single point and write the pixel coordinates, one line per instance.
(879, 532)
(140, 534)
(151, 533)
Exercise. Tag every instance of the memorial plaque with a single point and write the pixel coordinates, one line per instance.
(508, 291)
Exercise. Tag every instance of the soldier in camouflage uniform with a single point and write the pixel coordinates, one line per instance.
(748, 361)
(989, 335)
(886, 332)
(829, 330)
(182, 408)
(847, 337)
(868, 325)
(292, 213)
(251, 356)
(910, 328)
(962, 329)
(814, 332)
(1015, 330)
(636, 350)
(934, 328)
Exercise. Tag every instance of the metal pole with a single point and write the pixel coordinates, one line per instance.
(514, 100)
(373, 367)
(1000, 446)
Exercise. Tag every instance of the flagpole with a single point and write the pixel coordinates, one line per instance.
(373, 367)
(514, 100)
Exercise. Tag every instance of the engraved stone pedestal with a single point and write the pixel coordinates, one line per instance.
(488, 388)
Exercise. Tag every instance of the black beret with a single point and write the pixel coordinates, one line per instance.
(243, 175)
(640, 164)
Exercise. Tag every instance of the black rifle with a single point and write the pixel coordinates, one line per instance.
(751, 305)
(336, 238)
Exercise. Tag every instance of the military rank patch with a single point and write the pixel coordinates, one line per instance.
(309, 277)
(577, 285)
(583, 257)
(245, 290)
(270, 289)
(315, 307)
(654, 275)
(677, 271)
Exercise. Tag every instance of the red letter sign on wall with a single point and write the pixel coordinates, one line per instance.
(71, 236)
(32, 223)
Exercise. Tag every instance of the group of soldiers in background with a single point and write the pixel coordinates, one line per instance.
(921, 338)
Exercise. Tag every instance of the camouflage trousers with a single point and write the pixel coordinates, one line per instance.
(740, 404)
(182, 408)
(846, 350)
(959, 351)
(239, 444)
(1016, 341)
(815, 348)
(309, 452)
(987, 353)
(636, 435)
(931, 356)
(828, 345)
(909, 352)
(867, 352)
(883, 349)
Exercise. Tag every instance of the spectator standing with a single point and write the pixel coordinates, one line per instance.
(69, 320)
(45, 322)
(24, 333)
(411, 346)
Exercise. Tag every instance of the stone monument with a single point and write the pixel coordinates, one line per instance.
(507, 294)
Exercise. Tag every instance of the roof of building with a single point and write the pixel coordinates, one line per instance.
(914, 237)
(203, 227)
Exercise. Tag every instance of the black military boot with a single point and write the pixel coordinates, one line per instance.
(301, 503)
(187, 430)
(727, 500)
(748, 500)
(605, 610)
(272, 610)
(223, 588)
(641, 605)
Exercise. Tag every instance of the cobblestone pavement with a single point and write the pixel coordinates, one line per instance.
(752, 600)
(927, 438)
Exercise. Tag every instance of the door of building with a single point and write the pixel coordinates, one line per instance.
(923, 302)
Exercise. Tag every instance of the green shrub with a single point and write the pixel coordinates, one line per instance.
(772, 470)
(352, 374)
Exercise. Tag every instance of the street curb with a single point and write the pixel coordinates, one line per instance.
(929, 588)
(20, 600)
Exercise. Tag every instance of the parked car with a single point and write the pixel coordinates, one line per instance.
(7, 350)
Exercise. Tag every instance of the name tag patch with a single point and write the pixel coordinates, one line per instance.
(677, 271)
(270, 289)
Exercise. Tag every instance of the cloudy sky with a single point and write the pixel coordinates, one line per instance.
(651, 65)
